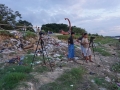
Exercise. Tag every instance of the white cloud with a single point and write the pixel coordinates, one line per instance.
(96, 16)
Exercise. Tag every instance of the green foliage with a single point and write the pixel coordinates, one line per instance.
(29, 51)
(72, 77)
(11, 80)
(54, 27)
(5, 33)
(58, 27)
(103, 83)
(28, 59)
(8, 16)
(12, 75)
(102, 51)
(104, 40)
(99, 81)
(78, 30)
(41, 69)
(29, 34)
(116, 67)
(12, 18)
(25, 23)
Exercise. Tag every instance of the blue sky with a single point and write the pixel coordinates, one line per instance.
(96, 16)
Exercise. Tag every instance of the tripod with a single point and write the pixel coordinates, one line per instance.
(92, 45)
(41, 42)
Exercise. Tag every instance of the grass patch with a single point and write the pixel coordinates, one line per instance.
(5, 33)
(64, 82)
(103, 83)
(116, 67)
(102, 51)
(105, 40)
(99, 81)
(29, 34)
(28, 59)
(12, 75)
(41, 69)
(11, 80)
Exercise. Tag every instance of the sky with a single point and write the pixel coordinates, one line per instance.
(96, 16)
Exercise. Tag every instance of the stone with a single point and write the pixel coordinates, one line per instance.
(107, 79)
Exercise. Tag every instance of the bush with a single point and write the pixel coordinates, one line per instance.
(5, 33)
(29, 34)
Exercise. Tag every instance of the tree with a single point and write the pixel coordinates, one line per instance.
(13, 19)
(8, 16)
(78, 30)
(25, 23)
(57, 27)
(54, 27)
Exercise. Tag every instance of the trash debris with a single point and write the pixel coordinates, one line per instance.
(92, 81)
(56, 55)
(71, 85)
(91, 73)
(76, 58)
(13, 60)
(118, 84)
(107, 79)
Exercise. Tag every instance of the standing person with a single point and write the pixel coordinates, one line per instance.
(86, 49)
(71, 47)
(38, 31)
(81, 45)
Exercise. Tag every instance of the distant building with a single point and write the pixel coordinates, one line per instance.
(64, 33)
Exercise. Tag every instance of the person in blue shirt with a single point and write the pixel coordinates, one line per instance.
(71, 47)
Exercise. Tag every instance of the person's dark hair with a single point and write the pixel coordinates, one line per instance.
(72, 33)
(85, 34)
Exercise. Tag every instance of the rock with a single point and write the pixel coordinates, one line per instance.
(71, 85)
(91, 73)
(92, 81)
(76, 58)
(107, 79)
(56, 55)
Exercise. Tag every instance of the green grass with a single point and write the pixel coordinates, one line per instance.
(12, 79)
(29, 34)
(102, 83)
(104, 40)
(102, 51)
(116, 67)
(99, 81)
(64, 82)
(5, 33)
(12, 75)
(28, 59)
(41, 69)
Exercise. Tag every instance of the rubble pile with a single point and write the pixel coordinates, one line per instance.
(53, 48)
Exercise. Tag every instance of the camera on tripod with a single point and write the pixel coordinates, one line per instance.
(41, 33)
(92, 39)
